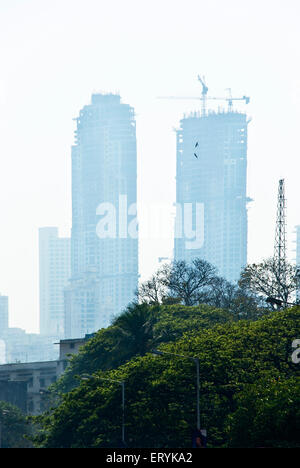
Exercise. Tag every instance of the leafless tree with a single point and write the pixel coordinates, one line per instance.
(187, 280)
(152, 291)
(220, 293)
(268, 280)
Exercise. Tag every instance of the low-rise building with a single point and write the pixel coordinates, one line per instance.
(14, 393)
(39, 375)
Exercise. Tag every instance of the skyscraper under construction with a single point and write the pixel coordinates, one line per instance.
(211, 219)
(104, 255)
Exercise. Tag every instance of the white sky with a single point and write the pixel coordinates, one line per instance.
(55, 53)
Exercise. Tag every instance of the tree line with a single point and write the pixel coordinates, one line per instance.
(249, 387)
(265, 285)
(248, 382)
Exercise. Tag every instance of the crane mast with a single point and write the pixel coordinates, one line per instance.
(204, 94)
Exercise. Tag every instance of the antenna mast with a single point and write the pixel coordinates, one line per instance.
(280, 234)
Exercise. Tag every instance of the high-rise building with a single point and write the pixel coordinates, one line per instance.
(3, 314)
(297, 259)
(297, 241)
(211, 219)
(104, 243)
(20, 346)
(55, 271)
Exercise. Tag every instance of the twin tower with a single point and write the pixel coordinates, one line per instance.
(210, 198)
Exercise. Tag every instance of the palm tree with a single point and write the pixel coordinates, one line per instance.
(134, 328)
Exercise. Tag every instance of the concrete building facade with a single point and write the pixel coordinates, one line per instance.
(212, 172)
(297, 259)
(104, 272)
(3, 314)
(26, 384)
(15, 393)
(54, 273)
(37, 376)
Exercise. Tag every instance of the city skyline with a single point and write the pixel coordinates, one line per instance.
(49, 74)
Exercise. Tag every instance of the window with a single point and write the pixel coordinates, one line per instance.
(42, 383)
(30, 407)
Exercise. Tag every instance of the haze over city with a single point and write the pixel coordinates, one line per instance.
(56, 54)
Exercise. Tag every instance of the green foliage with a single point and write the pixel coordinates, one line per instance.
(129, 335)
(174, 321)
(267, 414)
(14, 427)
(140, 328)
(249, 386)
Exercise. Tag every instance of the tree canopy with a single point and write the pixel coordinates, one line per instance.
(197, 282)
(134, 333)
(272, 280)
(14, 427)
(249, 387)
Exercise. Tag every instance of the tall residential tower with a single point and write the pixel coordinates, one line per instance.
(3, 314)
(55, 270)
(211, 172)
(104, 273)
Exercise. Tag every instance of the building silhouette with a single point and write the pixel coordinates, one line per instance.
(3, 314)
(211, 176)
(297, 259)
(54, 273)
(104, 266)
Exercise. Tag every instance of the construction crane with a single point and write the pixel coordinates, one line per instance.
(230, 99)
(204, 97)
(204, 94)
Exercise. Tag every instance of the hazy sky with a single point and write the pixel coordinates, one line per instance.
(55, 54)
